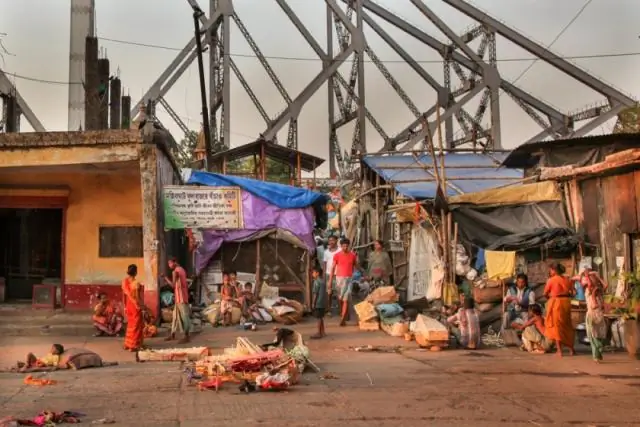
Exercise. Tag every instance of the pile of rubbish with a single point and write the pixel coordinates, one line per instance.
(269, 308)
(270, 367)
(381, 311)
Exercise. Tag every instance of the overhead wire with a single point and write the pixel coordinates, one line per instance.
(386, 61)
(593, 56)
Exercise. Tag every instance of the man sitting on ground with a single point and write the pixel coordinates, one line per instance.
(466, 325)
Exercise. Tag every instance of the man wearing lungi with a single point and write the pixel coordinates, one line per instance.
(344, 263)
(181, 310)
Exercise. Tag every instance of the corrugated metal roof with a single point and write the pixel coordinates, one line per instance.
(413, 175)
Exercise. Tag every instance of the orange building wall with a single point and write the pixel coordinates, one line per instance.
(94, 200)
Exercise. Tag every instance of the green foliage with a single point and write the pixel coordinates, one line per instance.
(633, 282)
(184, 157)
(275, 170)
(628, 121)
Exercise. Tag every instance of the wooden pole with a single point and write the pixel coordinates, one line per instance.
(258, 286)
(314, 175)
(263, 166)
(377, 230)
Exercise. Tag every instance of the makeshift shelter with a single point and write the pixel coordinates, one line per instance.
(600, 178)
(275, 241)
(399, 194)
(518, 217)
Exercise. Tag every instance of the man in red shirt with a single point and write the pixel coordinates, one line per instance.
(344, 263)
(181, 310)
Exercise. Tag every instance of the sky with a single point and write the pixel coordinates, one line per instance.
(36, 35)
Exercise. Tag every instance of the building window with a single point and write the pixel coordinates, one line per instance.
(120, 242)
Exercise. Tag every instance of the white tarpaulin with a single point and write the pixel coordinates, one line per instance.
(423, 258)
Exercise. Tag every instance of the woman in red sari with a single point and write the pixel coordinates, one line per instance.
(133, 308)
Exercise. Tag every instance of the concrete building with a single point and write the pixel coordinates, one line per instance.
(76, 208)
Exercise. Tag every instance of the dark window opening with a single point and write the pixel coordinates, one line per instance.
(120, 242)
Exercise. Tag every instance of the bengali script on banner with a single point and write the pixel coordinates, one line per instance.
(203, 207)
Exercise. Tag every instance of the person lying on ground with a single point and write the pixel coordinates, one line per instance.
(533, 339)
(319, 301)
(465, 325)
(106, 317)
(51, 360)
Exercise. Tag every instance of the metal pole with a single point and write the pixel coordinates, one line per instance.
(205, 109)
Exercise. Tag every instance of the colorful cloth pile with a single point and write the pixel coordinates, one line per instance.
(44, 419)
(242, 364)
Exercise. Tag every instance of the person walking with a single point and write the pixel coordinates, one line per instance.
(181, 310)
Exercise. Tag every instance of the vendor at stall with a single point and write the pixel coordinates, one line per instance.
(518, 299)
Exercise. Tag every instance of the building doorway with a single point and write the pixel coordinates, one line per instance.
(30, 250)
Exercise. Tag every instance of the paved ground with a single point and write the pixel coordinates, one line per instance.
(499, 387)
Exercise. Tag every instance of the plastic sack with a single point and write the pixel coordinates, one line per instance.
(389, 310)
(365, 311)
(167, 299)
(385, 294)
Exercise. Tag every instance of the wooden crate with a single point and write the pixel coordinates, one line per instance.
(369, 326)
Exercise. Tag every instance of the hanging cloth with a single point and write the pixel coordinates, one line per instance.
(500, 265)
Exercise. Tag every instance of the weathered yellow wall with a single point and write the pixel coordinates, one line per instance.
(94, 200)
(67, 156)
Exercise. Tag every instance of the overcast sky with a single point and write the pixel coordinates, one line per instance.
(37, 36)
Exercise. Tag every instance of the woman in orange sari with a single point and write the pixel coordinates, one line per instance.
(558, 325)
(133, 308)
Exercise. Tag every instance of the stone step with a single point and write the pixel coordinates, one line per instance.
(61, 329)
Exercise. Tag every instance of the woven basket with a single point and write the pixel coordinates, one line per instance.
(578, 316)
(166, 315)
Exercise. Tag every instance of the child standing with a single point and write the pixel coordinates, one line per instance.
(319, 301)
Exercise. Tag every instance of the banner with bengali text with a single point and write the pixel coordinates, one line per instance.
(218, 208)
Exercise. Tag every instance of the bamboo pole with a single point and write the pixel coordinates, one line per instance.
(377, 230)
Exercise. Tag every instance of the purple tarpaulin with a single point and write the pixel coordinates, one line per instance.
(258, 215)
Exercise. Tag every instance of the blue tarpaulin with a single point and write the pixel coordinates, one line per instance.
(414, 177)
(280, 195)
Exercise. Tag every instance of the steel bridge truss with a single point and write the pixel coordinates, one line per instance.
(8, 93)
(475, 69)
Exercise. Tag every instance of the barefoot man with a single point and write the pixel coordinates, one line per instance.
(181, 311)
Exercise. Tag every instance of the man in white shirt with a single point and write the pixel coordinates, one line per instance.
(327, 265)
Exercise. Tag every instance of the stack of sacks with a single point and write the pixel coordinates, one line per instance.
(381, 309)
(391, 319)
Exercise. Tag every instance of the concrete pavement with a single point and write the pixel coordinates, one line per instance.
(493, 387)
